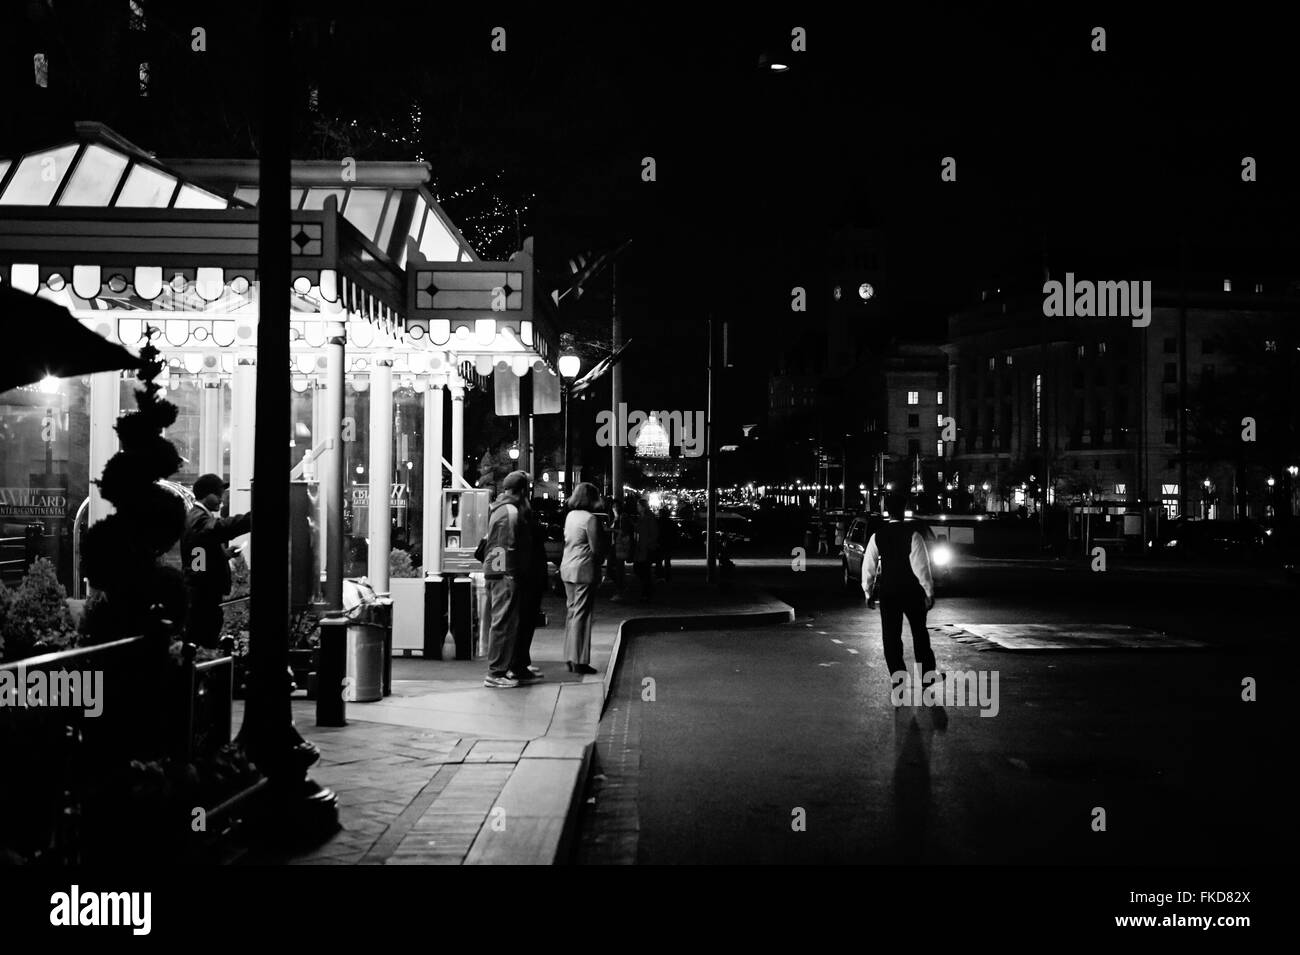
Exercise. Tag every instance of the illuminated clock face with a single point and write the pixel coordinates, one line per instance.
(865, 291)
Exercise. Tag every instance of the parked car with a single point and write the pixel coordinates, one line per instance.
(1237, 541)
(942, 555)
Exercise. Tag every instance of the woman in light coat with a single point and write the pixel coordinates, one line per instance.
(584, 549)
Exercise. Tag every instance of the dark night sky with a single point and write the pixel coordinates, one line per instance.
(1059, 150)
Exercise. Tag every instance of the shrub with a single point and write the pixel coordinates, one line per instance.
(399, 564)
(34, 618)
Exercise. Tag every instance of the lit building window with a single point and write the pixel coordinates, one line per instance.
(1227, 285)
(144, 79)
(939, 422)
(913, 397)
(137, 21)
(42, 67)
(1121, 488)
(1259, 287)
(993, 362)
(1009, 361)
(1038, 411)
(1101, 348)
(1270, 344)
(1080, 350)
(939, 451)
(939, 399)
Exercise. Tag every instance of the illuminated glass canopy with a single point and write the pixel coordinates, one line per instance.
(100, 171)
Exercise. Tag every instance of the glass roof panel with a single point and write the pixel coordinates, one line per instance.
(390, 217)
(316, 197)
(146, 188)
(37, 177)
(95, 179)
(247, 194)
(295, 198)
(363, 209)
(192, 197)
(438, 245)
(4, 167)
(417, 221)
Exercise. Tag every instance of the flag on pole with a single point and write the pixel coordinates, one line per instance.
(602, 366)
(584, 269)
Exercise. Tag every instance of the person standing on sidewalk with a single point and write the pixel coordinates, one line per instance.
(896, 572)
(584, 549)
(205, 561)
(505, 562)
(645, 548)
(532, 588)
(667, 542)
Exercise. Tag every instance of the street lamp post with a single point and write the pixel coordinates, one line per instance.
(570, 364)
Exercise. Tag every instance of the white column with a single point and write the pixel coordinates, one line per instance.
(329, 469)
(105, 397)
(381, 470)
(457, 429)
(433, 399)
(210, 457)
(243, 419)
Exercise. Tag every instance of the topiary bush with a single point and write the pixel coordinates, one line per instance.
(121, 553)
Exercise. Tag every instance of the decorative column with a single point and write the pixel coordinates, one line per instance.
(381, 470)
(457, 387)
(330, 468)
(243, 420)
(210, 457)
(105, 398)
(432, 530)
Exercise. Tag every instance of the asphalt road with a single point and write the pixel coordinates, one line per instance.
(781, 744)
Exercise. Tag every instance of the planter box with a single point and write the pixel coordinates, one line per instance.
(408, 613)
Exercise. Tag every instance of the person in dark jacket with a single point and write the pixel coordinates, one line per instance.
(896, 572)
(667, 544)
(205, 560)
(532, 587)
(505, 566)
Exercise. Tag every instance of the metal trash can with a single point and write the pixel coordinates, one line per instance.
(369, 641)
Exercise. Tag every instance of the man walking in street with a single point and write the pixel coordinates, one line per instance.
(205, 561)
(508, 552)
(896, 572)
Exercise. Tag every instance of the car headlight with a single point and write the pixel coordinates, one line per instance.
(942, 556)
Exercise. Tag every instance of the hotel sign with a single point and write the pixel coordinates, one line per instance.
(28, 502)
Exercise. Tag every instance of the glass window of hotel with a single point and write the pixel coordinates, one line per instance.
(992, 362)
(939, 398)
(913, 397)
(1009, 360)
(939, 422)
(938, 450)
(1101, 348)
(44, 463)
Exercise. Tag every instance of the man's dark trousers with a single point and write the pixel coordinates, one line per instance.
(206, 618)
(911, 604)
(531, 591)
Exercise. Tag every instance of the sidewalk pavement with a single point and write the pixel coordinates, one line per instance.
(448, 771)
